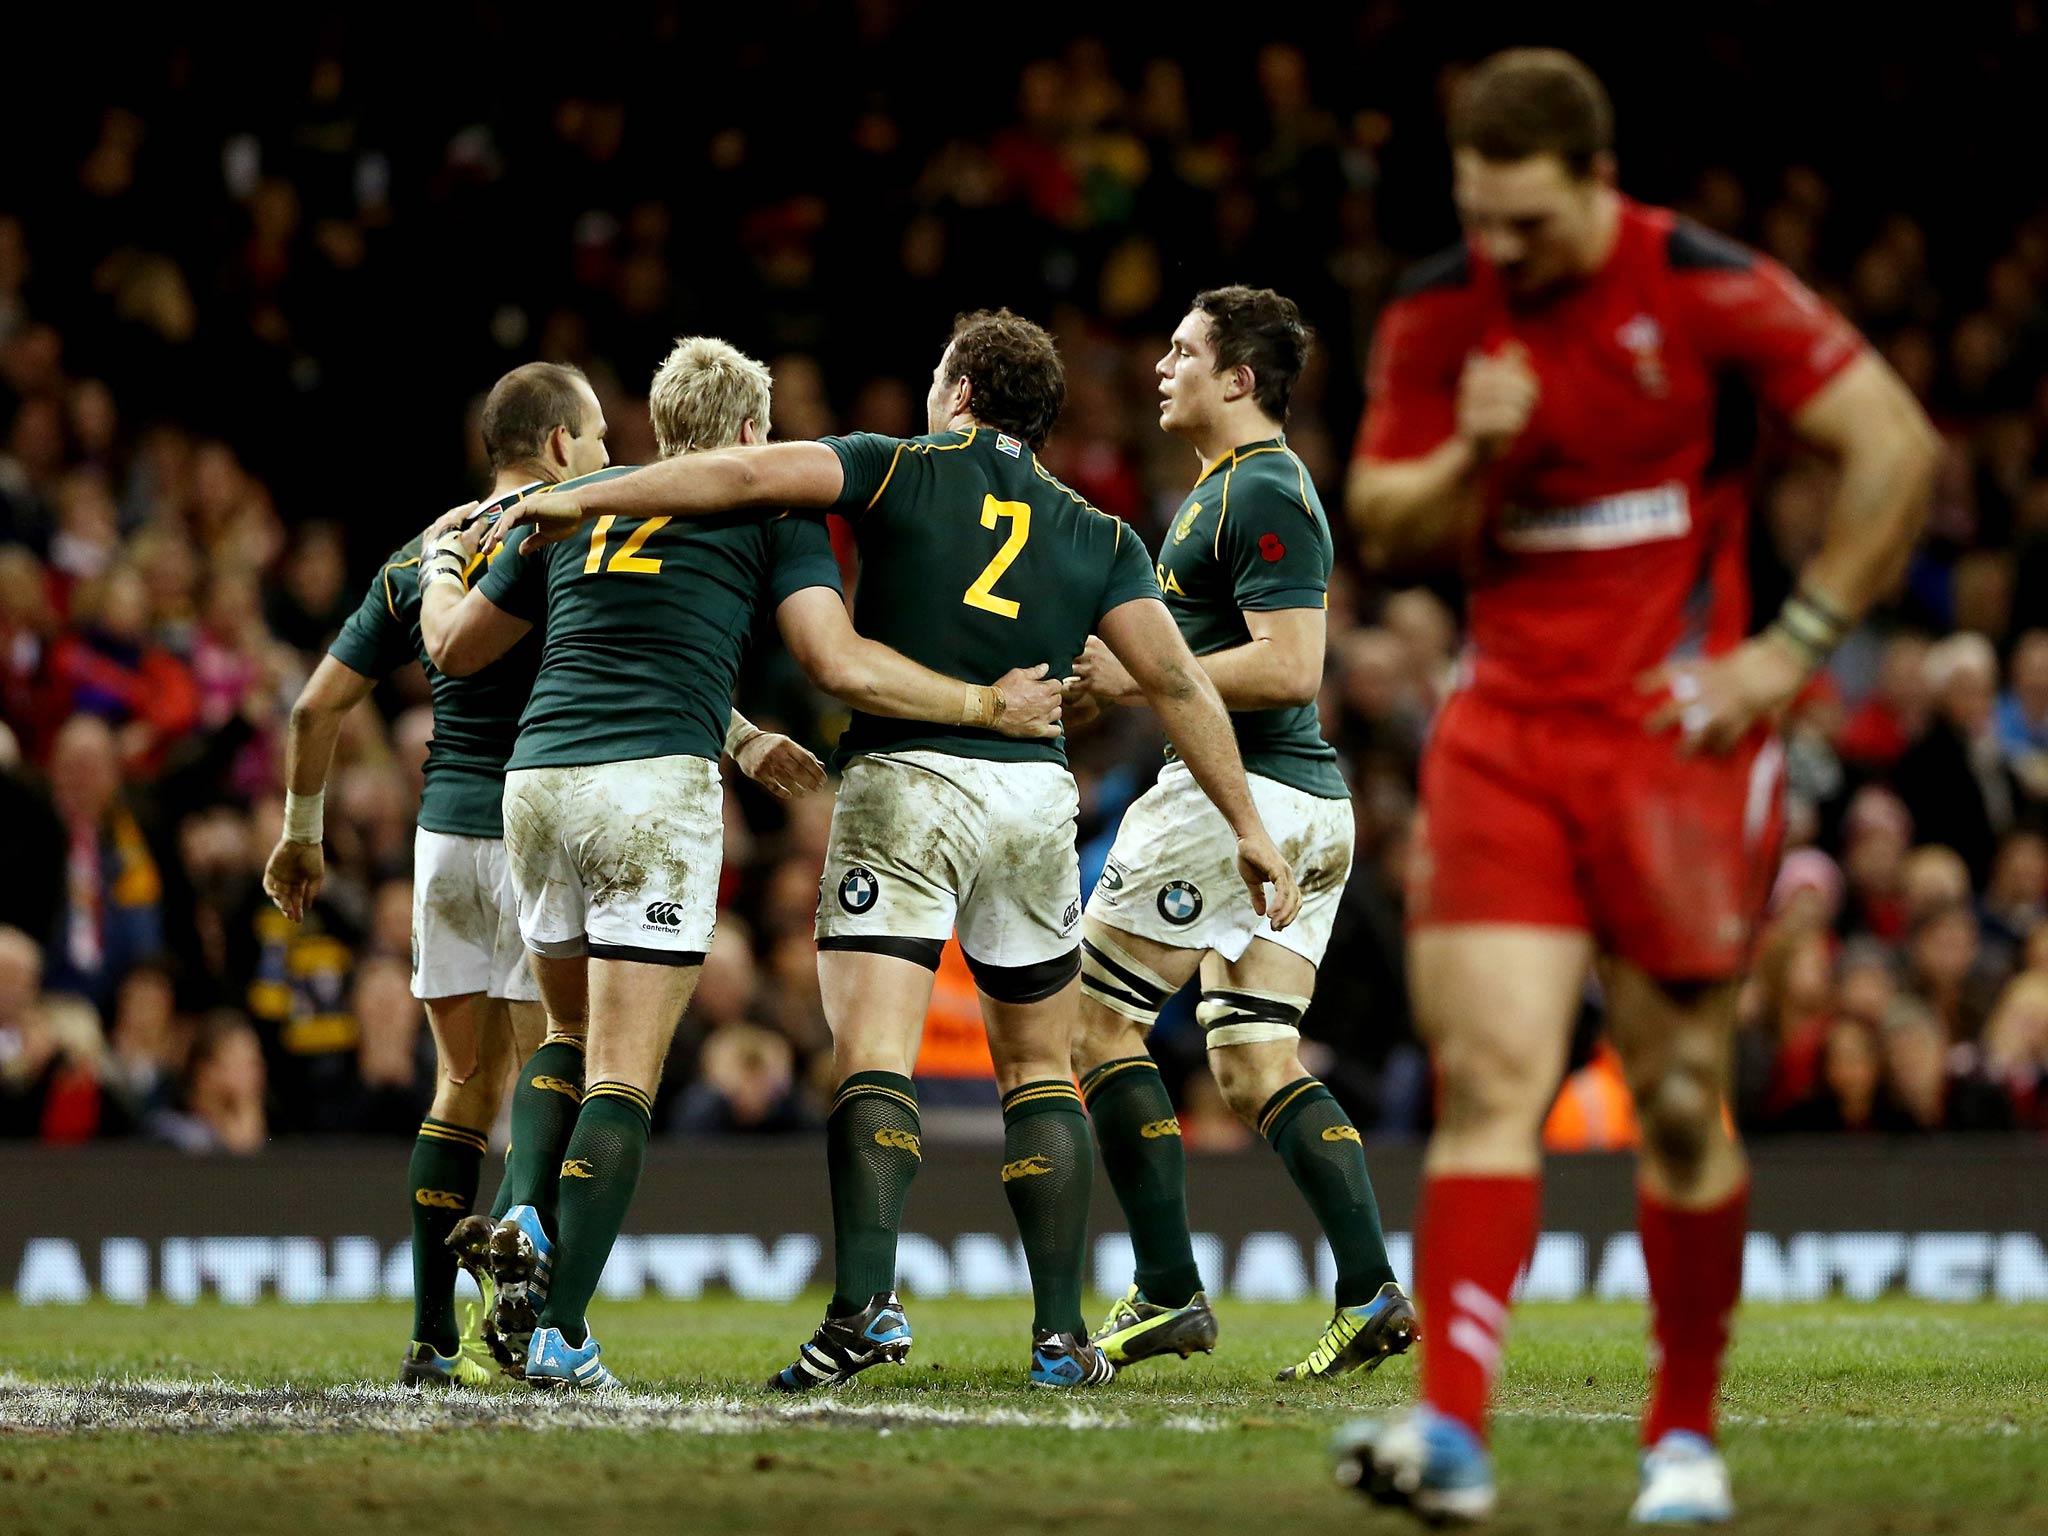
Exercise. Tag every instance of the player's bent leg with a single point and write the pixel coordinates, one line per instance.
(1048, 1160)
(1125, 980)
(1495, 1002)
(875, 998)
(634, 1006)
(1251, 1010)
(1677, 1048)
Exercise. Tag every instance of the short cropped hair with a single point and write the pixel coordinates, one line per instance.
(1533, 101)
(1018, 382)
(1262, 330)
(703, 393)
(526, 405)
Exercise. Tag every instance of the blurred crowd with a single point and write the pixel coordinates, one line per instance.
(243, 337)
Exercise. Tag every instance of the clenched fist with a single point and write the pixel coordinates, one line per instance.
(1497, 394)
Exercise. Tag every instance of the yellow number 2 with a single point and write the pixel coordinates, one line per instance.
(628, 561)
(982, 593)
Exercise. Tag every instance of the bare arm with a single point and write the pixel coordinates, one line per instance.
(297, 867)
(1280, 666)
(465, 632)
(880, 681)
(1142, 636)
(689, 485)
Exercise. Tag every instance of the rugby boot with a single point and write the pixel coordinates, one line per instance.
(1421, 1461)
(553, 1362)
(426, 1366)
(1137, 1329)
(843, 1347)
(1067, 1360)
(1363, 1335)
(1685, 1482)
(520, 1257)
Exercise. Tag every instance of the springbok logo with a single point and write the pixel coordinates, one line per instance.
(1026, 1167)
(902, 1141)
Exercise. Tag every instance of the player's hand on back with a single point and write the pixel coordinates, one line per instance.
(1078, 706)
(1100, 674)
(1715, 703)
(458, 522)
(1260, 864)
(550, 517)
(293, 876)
(779, 765)
(1031, 703)
(1497, 393)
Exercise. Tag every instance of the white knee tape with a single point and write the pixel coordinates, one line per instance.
(1239, 1016)
(1119, 982)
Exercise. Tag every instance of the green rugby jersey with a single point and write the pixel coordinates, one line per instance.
(1251, 537)
(647, 619)
(975, 560)
(476, 718)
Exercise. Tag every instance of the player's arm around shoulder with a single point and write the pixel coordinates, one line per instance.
(461, 626)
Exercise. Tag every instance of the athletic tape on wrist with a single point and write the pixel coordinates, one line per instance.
(305, 817)
(739, 731)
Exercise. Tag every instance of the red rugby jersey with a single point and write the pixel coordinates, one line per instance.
(1612, 539)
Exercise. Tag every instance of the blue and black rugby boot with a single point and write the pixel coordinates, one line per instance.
(1137, 1329)
(520, 1257)
(843, 1347)
(1067, 1360)
(1364, 1335)
(553, 1362)
(1422, 1461)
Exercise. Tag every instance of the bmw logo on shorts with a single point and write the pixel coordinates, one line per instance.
(1180, 903)
(858, 890)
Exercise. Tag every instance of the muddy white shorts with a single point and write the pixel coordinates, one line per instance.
(1172, 873)
(617, 860)
(926, 843)
(465, 920)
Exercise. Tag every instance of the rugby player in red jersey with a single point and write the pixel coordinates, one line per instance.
(1548, 403)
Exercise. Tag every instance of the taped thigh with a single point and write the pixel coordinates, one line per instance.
(1241, 1016)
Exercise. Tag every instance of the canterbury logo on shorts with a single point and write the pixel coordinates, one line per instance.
(902, 1141)
(557, 1085)
(664, 914)
(1159, 1128)
(1025, 1167)
(1343, 1133)
(439, 1199)
(577, 1168)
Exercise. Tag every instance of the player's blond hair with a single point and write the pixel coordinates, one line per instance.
(703, 393)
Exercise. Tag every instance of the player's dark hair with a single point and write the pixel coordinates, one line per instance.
(1014, 367)
(525, 406)
(1261, 330)
(1533, 101)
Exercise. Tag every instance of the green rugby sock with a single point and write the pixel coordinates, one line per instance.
(1141, 1149)
(599, 1173)
(446, 1160)
(545, 1101)
(1048, 1166)
(873, 1148)
(1326, 1160)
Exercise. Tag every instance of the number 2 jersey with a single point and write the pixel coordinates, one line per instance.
(974, 560)
(1614, 526)
(647, 620)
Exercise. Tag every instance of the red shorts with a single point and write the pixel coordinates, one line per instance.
(1572, 820)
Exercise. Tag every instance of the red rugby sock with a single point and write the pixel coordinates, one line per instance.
(1694, 1261)
(1476, 1233)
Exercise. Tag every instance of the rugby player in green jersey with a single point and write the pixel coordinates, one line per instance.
(612, 800)
(974, 559)
(1244, 570)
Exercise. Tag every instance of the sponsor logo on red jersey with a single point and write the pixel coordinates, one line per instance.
(1607, 522)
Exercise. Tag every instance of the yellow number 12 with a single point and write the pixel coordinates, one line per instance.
(982, 593)
(628, 561)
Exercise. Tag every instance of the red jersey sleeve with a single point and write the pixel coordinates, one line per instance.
(1760, 320)
(1411, 383)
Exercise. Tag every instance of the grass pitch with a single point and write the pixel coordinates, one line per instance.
(1883, 1418)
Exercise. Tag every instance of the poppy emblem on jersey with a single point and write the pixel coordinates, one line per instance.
(1008, 444)
(1270, 547)
(1643, 339)
(858, 890)
(1180, 903)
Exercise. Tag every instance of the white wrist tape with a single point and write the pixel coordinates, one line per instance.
(305, 817)
(739, 731)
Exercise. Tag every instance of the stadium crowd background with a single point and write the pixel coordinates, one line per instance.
(246, 320)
